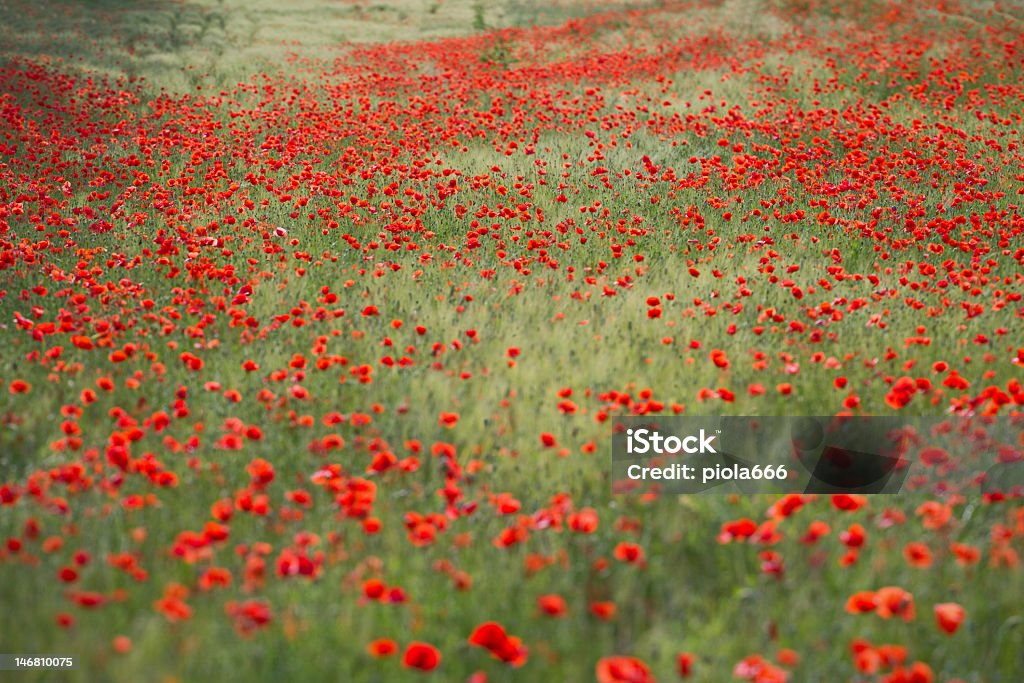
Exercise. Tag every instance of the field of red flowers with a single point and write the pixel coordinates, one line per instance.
(313, 335)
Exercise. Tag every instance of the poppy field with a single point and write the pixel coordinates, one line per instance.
(316, 320)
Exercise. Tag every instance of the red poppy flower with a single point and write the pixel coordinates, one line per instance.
(492, 637)
(19, 386)
(629, 552)
(684, 664)
(893, 601)
(719, 358)
(584, 522)
(949, 616)
(422, 656)
(917, 555)
(552, 605)
(382, 647)
(249, 616)
(622, 669)
(864, 601)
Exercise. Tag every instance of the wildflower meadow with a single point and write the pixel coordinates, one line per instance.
(316, 317)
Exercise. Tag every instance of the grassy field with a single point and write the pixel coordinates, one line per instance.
(316, 319)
